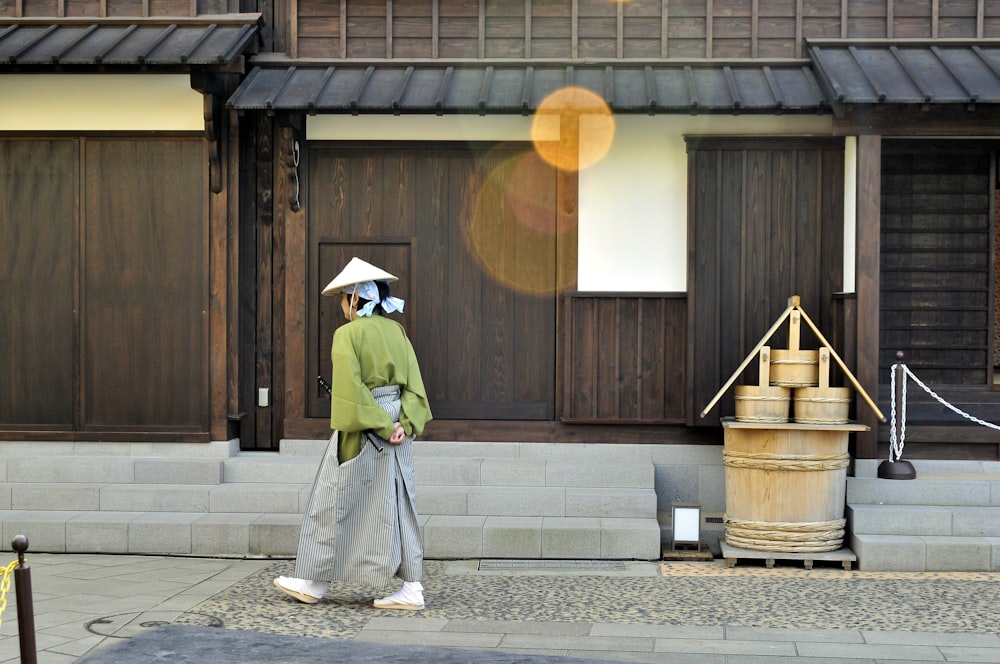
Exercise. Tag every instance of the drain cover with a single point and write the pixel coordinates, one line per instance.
(553, 565)
(127, 625)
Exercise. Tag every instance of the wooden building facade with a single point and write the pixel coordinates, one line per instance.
(163, 282)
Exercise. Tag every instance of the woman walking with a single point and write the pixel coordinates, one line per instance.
(360, 525)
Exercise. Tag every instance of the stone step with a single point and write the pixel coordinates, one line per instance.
(927, 468)
(291, 499)
(276, 535)
(114, 470)
(968, 490)
(522, 500)
(919, 520)
(926, 553)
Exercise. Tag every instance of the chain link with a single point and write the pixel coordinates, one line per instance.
(5, 586)
(896, 445)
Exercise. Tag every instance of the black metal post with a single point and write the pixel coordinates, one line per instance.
(25, 609)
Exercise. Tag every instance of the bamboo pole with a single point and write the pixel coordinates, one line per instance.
(793, 303)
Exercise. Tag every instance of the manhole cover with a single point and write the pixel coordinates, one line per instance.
(127, 625)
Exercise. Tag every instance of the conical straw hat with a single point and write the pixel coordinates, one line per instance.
(356, 272)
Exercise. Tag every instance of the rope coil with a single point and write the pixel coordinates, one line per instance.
(800, 537)
(767, 461)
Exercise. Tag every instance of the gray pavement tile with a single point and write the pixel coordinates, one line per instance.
(934, 638)
(970, 654)
(432, 639)
(757, 659)
(793, 634)
(519, 627)
(653, 657)
(416, 624)
(659, 631)
(574, 643)
(870, 650)
(725, 647)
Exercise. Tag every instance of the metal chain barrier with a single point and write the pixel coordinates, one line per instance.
(896, 444)
(5, 586)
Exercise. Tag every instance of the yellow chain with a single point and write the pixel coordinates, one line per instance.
(5, 586)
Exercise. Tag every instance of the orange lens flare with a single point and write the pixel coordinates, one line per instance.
(511, 224)
(587, 128)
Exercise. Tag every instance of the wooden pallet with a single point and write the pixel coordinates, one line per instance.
(732, 554)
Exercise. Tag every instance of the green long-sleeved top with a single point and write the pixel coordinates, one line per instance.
(370, 352)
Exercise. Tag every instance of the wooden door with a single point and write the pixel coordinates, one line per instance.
(38, 264)
(471, 234)
(104, 288)
(765, 223)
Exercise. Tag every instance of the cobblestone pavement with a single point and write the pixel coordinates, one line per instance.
(601, 610)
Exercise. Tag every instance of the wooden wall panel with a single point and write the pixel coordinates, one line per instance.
(624, 358)
(38, 264)
(482, 322)
(144, 287)
(571, 29)
(765, 224)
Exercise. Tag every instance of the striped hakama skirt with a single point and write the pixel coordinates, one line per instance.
(360, 525)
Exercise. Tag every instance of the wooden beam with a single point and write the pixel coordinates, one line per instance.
(527, 28)
(664, 28)
(709, 27)
(435, 32)
(482, 28)
(869, 188)
(620, 29)
(343, 28)
(388, 29)
(574, 21)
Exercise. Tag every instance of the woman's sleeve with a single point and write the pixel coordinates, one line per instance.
(352, 406)
(416, 411)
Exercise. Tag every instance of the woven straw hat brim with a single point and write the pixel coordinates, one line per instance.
(356, 272)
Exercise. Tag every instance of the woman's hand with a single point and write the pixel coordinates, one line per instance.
(398, 434)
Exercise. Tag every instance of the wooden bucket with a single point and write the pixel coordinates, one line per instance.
(822, 405)
(785, 487)
(756, 403)
(794, 368)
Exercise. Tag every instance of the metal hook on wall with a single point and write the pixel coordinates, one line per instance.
(293, 197)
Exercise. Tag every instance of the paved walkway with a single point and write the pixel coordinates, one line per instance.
(86, 606)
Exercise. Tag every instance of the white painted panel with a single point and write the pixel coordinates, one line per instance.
(99, 102)
(633, 204)
(850, 212)
(423, 128)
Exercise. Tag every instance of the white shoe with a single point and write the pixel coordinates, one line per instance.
(303, 590)
(408, 598)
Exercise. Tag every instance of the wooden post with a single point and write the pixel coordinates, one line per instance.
(868, 239)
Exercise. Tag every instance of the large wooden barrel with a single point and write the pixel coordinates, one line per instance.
(785, 486)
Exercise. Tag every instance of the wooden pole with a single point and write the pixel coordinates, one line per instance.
(850, 376)
(774, 328)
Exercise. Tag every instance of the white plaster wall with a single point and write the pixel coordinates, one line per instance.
(99, 102)
(633, 203)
